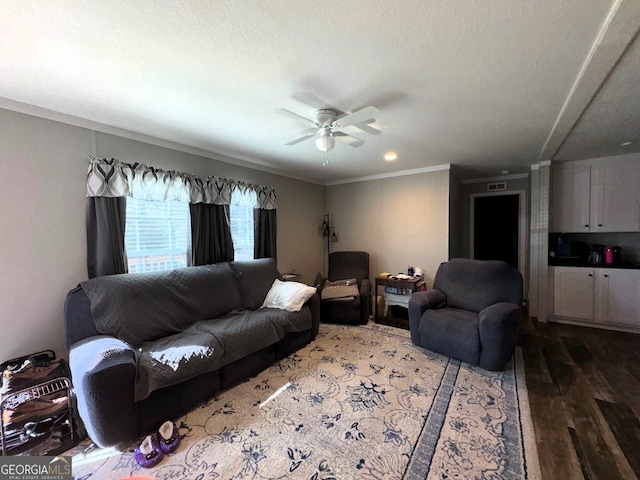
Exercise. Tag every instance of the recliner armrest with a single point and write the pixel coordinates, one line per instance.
(428, 299)
(418, 303)
(365, 287)
(103, 369)
(498, 327)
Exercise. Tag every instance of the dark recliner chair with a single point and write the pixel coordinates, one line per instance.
(342, 266)
(471, 314)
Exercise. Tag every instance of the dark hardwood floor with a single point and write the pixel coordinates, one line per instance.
(584, 391)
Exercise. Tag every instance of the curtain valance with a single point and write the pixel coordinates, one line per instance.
(113, 178)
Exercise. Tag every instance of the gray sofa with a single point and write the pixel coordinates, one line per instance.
(146, 348)
(471, 314)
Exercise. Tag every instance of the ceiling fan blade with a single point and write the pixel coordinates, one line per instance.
(348, 139)
(367, 128)
(301, 139)
(295, 116)
(367, 113)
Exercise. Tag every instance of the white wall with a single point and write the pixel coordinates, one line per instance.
(43, 241)
(400, 221)
(43, 167)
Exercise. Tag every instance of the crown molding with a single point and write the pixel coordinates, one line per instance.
(401, 173)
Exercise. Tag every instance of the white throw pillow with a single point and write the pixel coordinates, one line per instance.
(289, 296)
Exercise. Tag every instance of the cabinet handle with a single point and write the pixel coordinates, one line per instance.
(606, 276)
(586, 225)
(599, 224)
(591, 274)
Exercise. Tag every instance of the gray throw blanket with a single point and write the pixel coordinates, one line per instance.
(144, 307)
(340, 290)
(210, 344)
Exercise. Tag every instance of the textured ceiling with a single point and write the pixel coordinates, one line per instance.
(487, 85)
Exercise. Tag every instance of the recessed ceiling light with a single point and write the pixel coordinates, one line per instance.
(625, 144)
(390, 156)
(505, 172)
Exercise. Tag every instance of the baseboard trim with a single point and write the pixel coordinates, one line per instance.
(592, 324)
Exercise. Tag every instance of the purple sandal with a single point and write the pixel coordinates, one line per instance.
(148, 453)
(168, 437)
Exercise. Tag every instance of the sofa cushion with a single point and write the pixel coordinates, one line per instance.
(143, 307)
(452, 332)
(255, 278)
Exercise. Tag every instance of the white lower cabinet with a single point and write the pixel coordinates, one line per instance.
(573, 294)
(617, 296)
(608, 296)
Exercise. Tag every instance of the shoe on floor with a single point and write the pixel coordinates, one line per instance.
(148, 453)
(168, 437)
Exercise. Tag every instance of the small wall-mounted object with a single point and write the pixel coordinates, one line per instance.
(496, 186)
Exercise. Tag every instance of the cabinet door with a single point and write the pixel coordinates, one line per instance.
(615, 201)
(573, 292)
(570, 197)
(617, 296)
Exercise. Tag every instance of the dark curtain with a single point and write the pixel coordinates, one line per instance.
(210, 234)
(264, 233)
(106, 218)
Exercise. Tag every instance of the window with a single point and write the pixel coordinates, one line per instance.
(157, 235)
(242, 231)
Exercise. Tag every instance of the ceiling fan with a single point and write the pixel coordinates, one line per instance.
(326, 124)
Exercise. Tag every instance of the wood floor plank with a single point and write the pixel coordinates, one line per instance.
(584, 395)
(534, 360)
(626, 429)
(557, 456)
(584, 465)
(589, 365)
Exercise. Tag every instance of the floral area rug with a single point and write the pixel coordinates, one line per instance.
(358, 402)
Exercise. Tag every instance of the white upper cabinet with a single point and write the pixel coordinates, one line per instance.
(615, 205)
(571, 197)
(600, 195)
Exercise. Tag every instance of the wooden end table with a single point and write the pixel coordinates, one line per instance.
(404, 289)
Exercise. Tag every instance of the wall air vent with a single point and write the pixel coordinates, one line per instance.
(496, 187)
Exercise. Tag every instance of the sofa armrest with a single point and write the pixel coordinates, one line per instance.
(103, 369)
(418, 303)
(498, 328)
(314, 306)
(78, 320)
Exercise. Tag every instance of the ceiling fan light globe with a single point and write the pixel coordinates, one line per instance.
(325, 143)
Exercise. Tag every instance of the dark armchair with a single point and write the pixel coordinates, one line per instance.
(471, 314)
(353, 309)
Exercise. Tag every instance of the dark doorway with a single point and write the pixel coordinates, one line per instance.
(495, 228)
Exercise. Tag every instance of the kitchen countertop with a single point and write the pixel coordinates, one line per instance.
(576, 262)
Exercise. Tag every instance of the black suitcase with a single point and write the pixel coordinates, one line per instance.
(36, 407)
